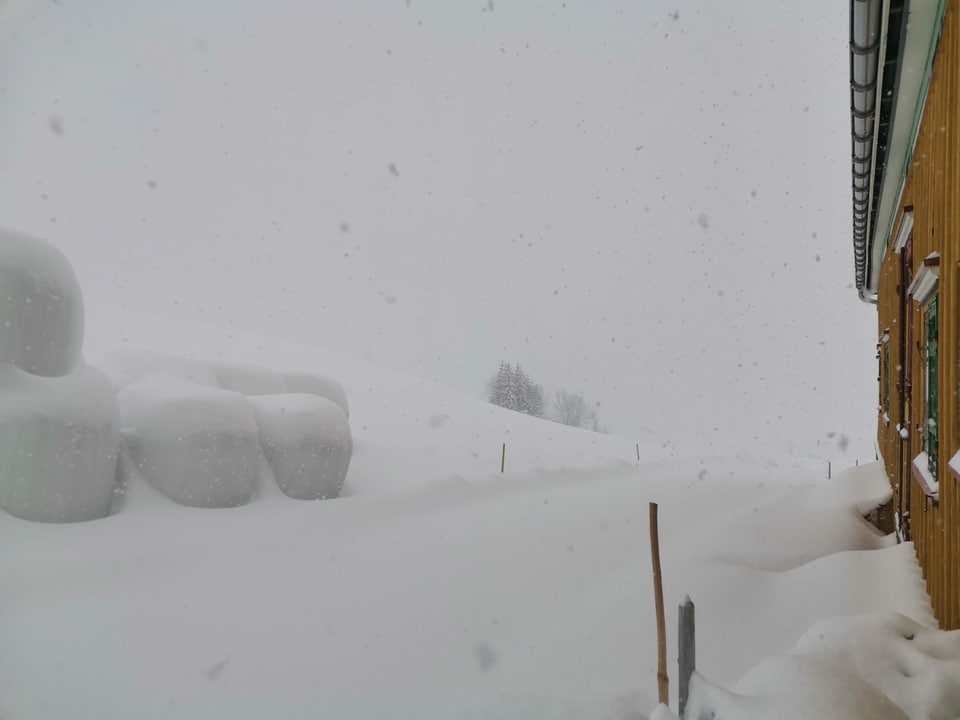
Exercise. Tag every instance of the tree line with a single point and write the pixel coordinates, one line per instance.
(512, 388)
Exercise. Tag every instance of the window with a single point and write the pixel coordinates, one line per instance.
(885, 386)
(932, 418)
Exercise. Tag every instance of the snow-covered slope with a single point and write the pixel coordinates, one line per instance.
(408, 433)
(438, 586)
(431, 593)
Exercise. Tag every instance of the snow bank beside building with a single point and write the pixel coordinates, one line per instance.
(861, 667)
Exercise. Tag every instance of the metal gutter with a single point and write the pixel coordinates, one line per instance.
(921, 34)
(892, 49)
(866, 20)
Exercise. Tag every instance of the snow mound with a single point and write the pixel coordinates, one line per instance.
(125, 367)
(306, 439)
(250, 379)
(861, 667)
(59, 438)
(916, 666)
(197, 445)
(129, 366)
(41, 307)
(862, 488)
(313, 384)
(793, 687)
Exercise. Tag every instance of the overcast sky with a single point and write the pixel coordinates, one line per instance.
(647, 202)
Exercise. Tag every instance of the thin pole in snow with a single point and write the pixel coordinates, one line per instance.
(638, 452)
(663, 682)
(503, 457)
(829, 470)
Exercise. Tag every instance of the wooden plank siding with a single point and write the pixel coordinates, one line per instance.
(933, 192)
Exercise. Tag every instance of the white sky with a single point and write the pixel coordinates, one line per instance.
(653, 211)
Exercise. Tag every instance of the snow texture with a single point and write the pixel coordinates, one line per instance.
(41, 307)
(59, 438)
(863, 667)
(793, 687)
(125, 367)
(918, 667)
(250, 379)
(301, 382)
(306, 439)
(197, 445)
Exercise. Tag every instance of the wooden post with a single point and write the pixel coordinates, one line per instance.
(663, 682)
(503, 457)
(638, 452)
(829, 470)
(687, 658)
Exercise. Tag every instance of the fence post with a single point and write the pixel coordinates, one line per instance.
(503, 457)
(687, 658)
(638, 452)
(663, 682)
(829, 470)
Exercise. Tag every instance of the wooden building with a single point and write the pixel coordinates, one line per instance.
(905, 117)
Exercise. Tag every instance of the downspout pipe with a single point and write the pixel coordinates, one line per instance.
(865, 52)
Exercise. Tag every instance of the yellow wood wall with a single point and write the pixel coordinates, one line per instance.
(933, 189)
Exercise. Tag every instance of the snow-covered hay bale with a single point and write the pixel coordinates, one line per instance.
(321, 385)
(41, 307)
(125, 367)
(59, 438)
(197, 445)
(306, 439)
(250, 379)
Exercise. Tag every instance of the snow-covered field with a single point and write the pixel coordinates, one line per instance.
(434, 586)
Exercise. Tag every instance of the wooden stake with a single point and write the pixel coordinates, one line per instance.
(503, 457)
(638, 452)
(829, 470)
(686, 627)
(663, 682)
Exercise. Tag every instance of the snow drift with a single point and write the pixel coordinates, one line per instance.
(59, 438)
(199, 446)
(306, 439)
(41, 307)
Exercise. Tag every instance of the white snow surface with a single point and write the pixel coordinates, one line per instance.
(439, 587)
(199, 446)
(301, 382)
(59, 438)
(879, 666)
(306, 440)
(436, 587)
(41, 306)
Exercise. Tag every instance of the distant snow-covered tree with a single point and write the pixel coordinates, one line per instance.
(498, 391)
(512, 388)
(572, 409)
